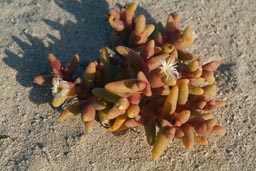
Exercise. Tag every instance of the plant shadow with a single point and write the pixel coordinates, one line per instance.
(85, 36)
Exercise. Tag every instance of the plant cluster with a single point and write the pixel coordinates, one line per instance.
(155, 83)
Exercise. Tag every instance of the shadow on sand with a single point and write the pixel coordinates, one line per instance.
(86, 36)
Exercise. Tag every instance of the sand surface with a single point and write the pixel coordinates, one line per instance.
(30, 29)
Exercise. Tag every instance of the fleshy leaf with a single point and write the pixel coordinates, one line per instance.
(72, 65)
(125, 86)
(70, 112)
(55, 64)
(211, 66)
(188, 139)
(171, 101)
(103, 117)
(105, 95)
(162, 141)
(133, 111)
(183, 91)
(88, 113)
(89, 75)
(57, 101)
(118, 122)
(43, 80)
(219, 130)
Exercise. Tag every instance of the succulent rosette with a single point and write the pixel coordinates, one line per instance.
(155, 83)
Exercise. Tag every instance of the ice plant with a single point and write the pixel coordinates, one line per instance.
(168, 68)
(58, 70)
(60, 79)
(155, 83)
(173, 35)
(127, 28)
(60, 90)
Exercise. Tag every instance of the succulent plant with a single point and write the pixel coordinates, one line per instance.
(128, 29)
(158, 85)
(172, 34)
(61, 79)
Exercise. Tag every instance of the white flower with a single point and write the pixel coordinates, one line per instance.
(168, 68)
(60, 88)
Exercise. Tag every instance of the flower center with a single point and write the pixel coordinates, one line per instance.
(169, 70)
(60, 87)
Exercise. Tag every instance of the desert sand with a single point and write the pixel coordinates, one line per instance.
(30, 29)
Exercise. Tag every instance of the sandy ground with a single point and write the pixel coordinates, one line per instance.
(30, 29)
